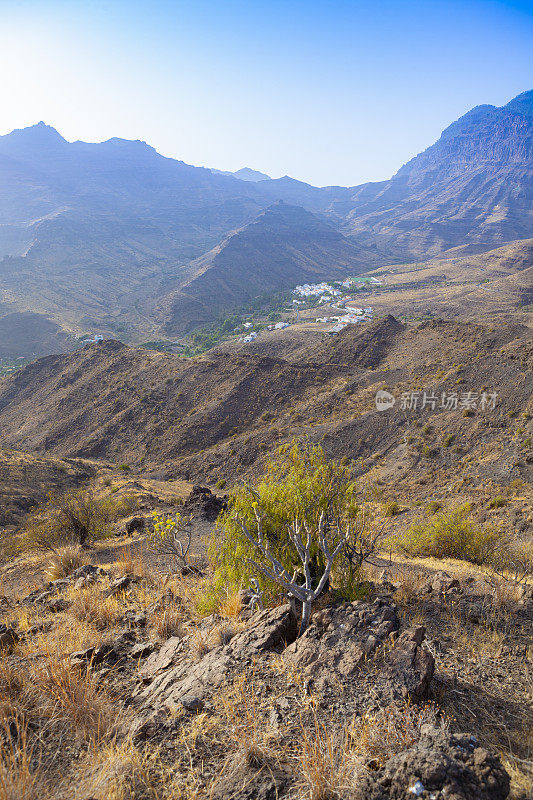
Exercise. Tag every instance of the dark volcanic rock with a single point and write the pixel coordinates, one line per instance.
(340, 638)
(8, 638)
(203, 504)
(441, 766)
(135, 524)
(410, 667)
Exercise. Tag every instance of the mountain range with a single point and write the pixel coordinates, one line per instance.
(115, 238)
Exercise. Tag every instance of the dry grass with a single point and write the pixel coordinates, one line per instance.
(168, 621)
(225, 632)
(123, 772)
(332, 759)
(249, 739)
(200, 643)
(64, 563)
(408, 592)
(64, 714)
(77, 696)
(58, 693)
(90, 606)
(373, 738)
(48, 708)
(20, 777)
(521, 774)
(67, 635)
(489, 681)
(323, 767)
(131, 562)
(231, 605)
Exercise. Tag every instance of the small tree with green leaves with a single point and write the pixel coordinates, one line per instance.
(297, 528)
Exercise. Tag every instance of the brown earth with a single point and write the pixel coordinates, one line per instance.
(218, 415)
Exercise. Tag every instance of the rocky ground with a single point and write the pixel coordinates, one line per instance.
(117, 688)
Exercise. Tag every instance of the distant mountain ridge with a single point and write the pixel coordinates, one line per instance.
(245, 174)
(100, 236)
(474, 185)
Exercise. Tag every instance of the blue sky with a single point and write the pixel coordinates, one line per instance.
(328, 92)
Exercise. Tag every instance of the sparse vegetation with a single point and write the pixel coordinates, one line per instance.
(497, 502)
(64, 562)
(392, 509)
(74, 519)
(452, 534)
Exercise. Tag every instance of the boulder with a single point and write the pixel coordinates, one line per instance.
(110, 653)
(192, 704)
(142, 649)
(441, 766)
(118, 586)
(162, 660)
(135, 524)
(203, 504)
(442, 583)
(58, 604)
(340, 638)
(88, 573)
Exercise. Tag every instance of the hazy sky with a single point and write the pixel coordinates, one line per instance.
(328, 92)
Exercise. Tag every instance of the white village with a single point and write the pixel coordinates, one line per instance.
(309, 295)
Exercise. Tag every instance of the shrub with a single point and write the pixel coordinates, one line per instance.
(64, 563)
(392, 509)
(433, 506)
(299, 483)
(76, 518)
(221, 483)
(514, 562)
(452, 534)
(171, 537)
(497, 502)
(301, 495)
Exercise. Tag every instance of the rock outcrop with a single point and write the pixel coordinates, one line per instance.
(341, 638)
(441, 766)
(271, 629)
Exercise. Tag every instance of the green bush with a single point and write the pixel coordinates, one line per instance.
(75, 518)
(452, 534)
(497, 502)
(391, 509)
(299, 483)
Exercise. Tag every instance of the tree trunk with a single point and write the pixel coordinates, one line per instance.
(306, 614)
